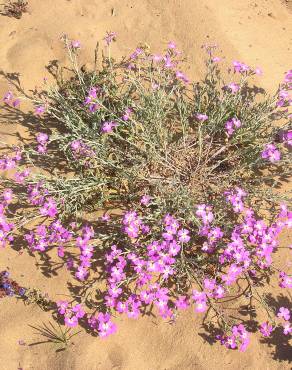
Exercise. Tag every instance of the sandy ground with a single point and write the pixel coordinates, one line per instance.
(257, 32)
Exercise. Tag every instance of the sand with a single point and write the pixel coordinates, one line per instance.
(257, 32)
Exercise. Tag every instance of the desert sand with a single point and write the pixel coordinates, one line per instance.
(258, 32)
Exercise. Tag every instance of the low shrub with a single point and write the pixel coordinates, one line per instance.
(165, 190)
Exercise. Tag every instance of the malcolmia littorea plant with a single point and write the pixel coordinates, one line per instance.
(179, 179)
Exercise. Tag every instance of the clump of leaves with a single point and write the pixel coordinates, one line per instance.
(57, 335)
(15, 9)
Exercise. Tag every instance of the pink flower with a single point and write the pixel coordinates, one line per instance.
(266, 329)
(62, 307)
(183, 235)
(75, 44)
(258, 71)
(216, 59)
(157, 58)
(201, 306)
(8, 195)
(136, 53)
(106, 217)
(171, 45)
(39, 110)
(284, 313)
(108, 127)
(110, 37)
(81, 273)
(182, 303)
(181, 76)
(71, 321)
(145, 200)
(287, 328)
(240, 67)
(121, 307)
(219, 292)
(201, 117)
(127, 114)
(234, 87)
(78, 310)
(168, 62)
(271, 153)
(42, 138)
(231, 124)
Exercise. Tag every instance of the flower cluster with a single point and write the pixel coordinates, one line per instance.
(42, 139)
(91, 100)
(45, 236)
(6, 227)
(239, 338)
(10, 99)
(71, 314)
(82, 152)
(103, 324)
(36, 194)
(284, 98)
(86, 251)
(231, 125)
(9, 162)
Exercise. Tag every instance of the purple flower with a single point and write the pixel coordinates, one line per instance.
(286, 281)
(106, 217)
(91, 99)
(8, 97)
